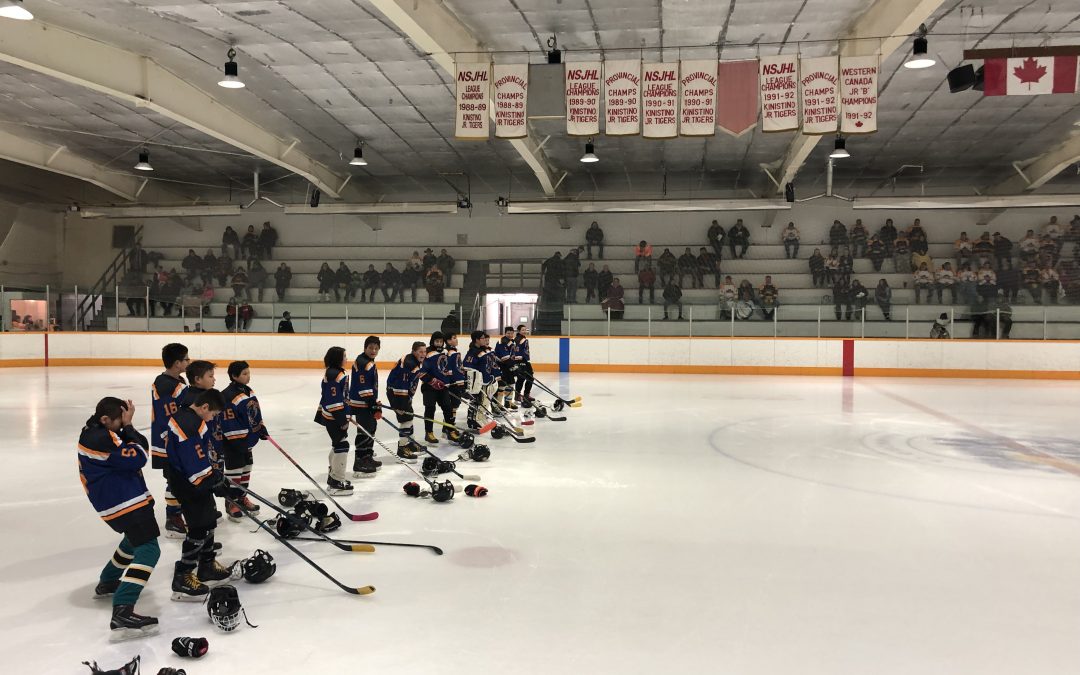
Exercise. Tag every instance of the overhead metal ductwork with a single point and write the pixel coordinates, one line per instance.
(939, 203)
(648, 205)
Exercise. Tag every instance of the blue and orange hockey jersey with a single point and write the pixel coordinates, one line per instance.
(110, 468)
(404, 376)
(335, 389)
(165, 394)
(241, 421)
(363, 383)
(190, 448)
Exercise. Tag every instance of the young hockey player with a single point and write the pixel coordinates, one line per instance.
(201, 377)
(111, 457)
(195, 481)
(457, 377)
(400, 387)
(331, 414)
(164, 394)
(480, 375)
(437, 377)
(506, 353)
(242, 428)
(364, 406)
(523, 371)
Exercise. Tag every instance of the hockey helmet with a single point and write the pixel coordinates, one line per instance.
(259, 567)
(442, 492)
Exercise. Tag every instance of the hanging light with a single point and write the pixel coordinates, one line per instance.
(13, 9)
(232, 73)
(144, 161)
(919, 57)
(358, 156)
(590, 153)
(839, 149)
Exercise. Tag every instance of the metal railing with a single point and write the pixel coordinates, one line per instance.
(92, 299)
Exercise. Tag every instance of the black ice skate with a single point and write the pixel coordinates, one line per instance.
(211, 573)
(105, 589)
(364, 467)
(186, 586)
(175, 527)
(338, 488)
(127, 625)
(406, 454)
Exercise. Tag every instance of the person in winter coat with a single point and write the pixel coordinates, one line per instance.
(239, 283)
(672, 297)
(590, 277)
(613, 301)
(257, 279)
(249, 246)
(940, 329)
(445, 262)
(224, 269)
(859, 297)
(837, 236)
(428, 261)
(209, 266)
(282, 280)
(789, 236)
(716, 237)
(770, 298)
(642, 255)
(875, 250)
(410, 279)
(858, 236)
(841, 292)
(451, 325)
(1002, 249)
(435, 284)
(230, 239)
(646, 281)
(267, 240)
(571, 271)
(342, 277)
(594, 236)
(191, 264)
(817, 268)
(603, 282)
(883, 298)
(370, 282)
(888, 235)
(739, 236)
(666, 266)
(688, 266)
(326, 282)
(707, 264)
(1008, 281)
(391, 281)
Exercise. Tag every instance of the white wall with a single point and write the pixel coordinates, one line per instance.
(30, 247)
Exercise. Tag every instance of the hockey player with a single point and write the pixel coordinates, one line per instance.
(400, 387)
(364, 406)
(111, 457)
(457, 376)
(331, 414)
(195, 481)
(242, 428)
(480, 375)
(164, 394)
(505, 354)
(201, 377)
(523, 371)
(436, 377)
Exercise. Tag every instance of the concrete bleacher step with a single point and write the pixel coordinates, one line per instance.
(312, 267)
(386, 253)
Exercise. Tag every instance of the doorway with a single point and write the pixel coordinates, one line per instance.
(508, 309)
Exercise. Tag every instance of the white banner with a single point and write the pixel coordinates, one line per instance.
(583, 99)
(858, 94)
(511, 94)
(697, 98)
(779, 85)
(660, 100)
(473, 90)
(622, 98)
(818, 79)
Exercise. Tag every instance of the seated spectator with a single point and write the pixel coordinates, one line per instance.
(1002, 249)
(267, 241)
(837, 236)
(919, 246)
(206, 298)
(230, 314)
(924, 281)
(249, 245)
(646, 281)
(239, 282)
(1050, 282)
(946, 278)
(729, 295)
(1029, 246)
(594, 236)
(688, 266)
(283, 279)
(326, 282)
(888, 235)
(716, 236)
(858, 236)
(191, 264)
(591, 279)
(666, 264)
(916, 232)
(875, 250)
(410, 279)
(369, 283)
(198, 328)
(285, 325)
(571, 271)
(603, 282)
(707, 264)
(841, 292)
(445, 262)
(962, 249)
(902, 254)
(987, 285)
(428, 261)
(230, 240)
(342, 277)
(209, 266)
(1032, 281)
(415, 262)
(1048, 250)
(832, 268)
(739, 237)
(613, 301)
(859, 297)
(672, 298)
(940, 329)
(224, 269)
(1008, 280)
(450, 324)
(883, 298)
(1052, 230)
(247, 312)
(1071, 237)
(919, 259)
(846, 264)
(790, 238)
(257, 280)
(770, 297)
(435, 284)
(967, 282)
(983, 250)
(745, 302)
(642, 255)
(391, 281)
(817, 268)
(356, 284)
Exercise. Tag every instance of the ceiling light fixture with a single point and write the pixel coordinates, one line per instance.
(13, 9)
(590, 153)
(919, 57)
(232, 73)
(144, 161)
(839, 149)
(358, 156)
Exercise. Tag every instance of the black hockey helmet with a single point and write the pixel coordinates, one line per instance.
(498, 432)
(289, 525)
(480, 453)
(466, 441)
(313, 508)
(259, 567)
(223, 607)
(289, 498)
(442, 492)
(430, 466)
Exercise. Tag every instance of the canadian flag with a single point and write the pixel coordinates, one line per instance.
(1030, 75)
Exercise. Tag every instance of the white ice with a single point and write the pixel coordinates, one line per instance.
(673, 524)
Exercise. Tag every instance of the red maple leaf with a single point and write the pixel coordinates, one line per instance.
(1030, 72)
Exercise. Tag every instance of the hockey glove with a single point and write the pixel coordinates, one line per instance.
(219, 486)
(437, 385)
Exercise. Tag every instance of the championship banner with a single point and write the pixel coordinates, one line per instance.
(858, 94)
(511, 92)
(622, 98)
(1029, 76)
(471, 116)
(818, 80)
(697, 98)
(778, 82)
(737, 96)
(660, 100)
(583, 99)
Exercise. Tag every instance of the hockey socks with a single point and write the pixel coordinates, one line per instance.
(128, 571)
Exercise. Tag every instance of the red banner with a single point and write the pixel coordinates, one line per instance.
(737, 96)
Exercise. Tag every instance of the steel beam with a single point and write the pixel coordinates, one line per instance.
(59, 160)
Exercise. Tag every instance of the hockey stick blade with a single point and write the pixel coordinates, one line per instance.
(355, 517)
(434, 549)
(486, 428)
(363, 517)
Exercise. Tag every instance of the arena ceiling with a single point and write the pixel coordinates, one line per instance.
(324, 73)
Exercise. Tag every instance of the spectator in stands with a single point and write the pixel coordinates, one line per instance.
(837, 237)
(982, 250)
(940, 329)
(208, 267)
(206, 297)
(571, 270)
(257, 278)
(846, 264)
(224, 269)
(916, 232)
(391, 279)
(239, 282)
(672, 298)
(817, 268)
(1008, 280)
(370, 282)
(591, 279)
(924, 281)
(859, 298)
(716, 236)
(1051, 282)
(770, 297)
(161, 274)
(841, 293)
(902, 254)
(552, 269)
(451, 324)
(945, 278)
(688, 265)
(859, 236)
(154, 293)
(1032, 281)
(326, 282)
(198, 328)
(739, 236)
(642, 255)
(707, 264)
(746, 301)
(249, 245)
(888, 235)
(1003, 316)
(283, 279)
(1071, 237)
(1052, 230)
(230, 314)
(1029, 246)
(342, 277)
(594, 236)
(434, 283)
(729, 294)
(285, 325)
(666, 266)
(356, 283)
(968, 280)
(138, 259)
(790, 237)
(919, 259)
(613, 301)
(410, 279)
(174, 287)
(962, 249)
(832, 268)
(230, 239)
(1002, 249)
(646, 277)
(883, 298)
(247, 312)
(987, 283)
(603, 282)
(268, 240)
(1048, 250)
(445, 262)
(875, 250)
(428, 261)
(191, 264)
(919, 246)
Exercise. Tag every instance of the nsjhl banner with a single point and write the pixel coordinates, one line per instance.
(858, 94)
(818, 80)
(1029, 76)
(583, 99)
(737, 96)
(473, 89)
(511, 97)
(622, 98)
(660, 100)
(778, 83)
(697, 98)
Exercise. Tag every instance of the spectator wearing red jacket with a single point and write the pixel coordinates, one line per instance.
(646, 280)
(642, 255)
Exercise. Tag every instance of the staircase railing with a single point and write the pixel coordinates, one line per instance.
(107, 280)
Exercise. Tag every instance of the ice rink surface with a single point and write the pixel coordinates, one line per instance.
(675, 524)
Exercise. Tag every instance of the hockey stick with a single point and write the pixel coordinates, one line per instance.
(351, 516)
(423, 447)
(478, 432)
(511, 431)
(393, 454)
(361, 590)
(540, 407)
(355, 548)
(573, 403)
(434, 549)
